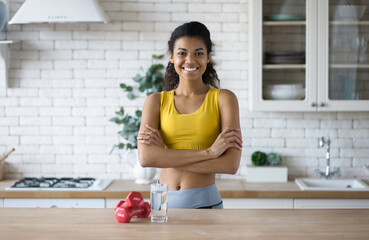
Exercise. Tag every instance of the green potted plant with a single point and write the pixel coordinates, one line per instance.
(148, 82)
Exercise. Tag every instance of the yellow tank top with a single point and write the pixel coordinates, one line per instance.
(196, 130)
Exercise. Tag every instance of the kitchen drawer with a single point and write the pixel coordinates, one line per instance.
(331, 203)
(1, 202)
(54, 203)
(112, 202)
(257, 203)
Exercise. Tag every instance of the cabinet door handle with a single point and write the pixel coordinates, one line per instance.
(322, 104)
(313, 104)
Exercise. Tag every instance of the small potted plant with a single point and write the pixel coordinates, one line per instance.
(149, 82)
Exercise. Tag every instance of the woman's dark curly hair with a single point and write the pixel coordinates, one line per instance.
(191, 29)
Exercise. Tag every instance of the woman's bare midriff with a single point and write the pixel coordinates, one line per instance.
(181, 180)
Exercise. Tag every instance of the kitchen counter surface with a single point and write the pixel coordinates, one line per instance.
(185, 224)
(227, 189)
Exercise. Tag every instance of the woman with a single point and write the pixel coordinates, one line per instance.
(191, 131)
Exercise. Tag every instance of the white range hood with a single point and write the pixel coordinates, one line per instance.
(59, 11)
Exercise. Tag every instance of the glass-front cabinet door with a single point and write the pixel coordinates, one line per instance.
(309, 55)
(344, 57)
(282, 55)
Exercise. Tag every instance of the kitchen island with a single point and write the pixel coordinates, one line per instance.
(185, 224)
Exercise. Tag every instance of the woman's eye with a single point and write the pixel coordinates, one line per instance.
(199, 53)
(181, 53)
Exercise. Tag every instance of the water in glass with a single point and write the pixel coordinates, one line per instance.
(159, 204)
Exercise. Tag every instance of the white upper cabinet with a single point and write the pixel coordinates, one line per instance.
(309, 55)
(4, 43)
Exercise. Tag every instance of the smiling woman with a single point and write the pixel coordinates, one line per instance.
(192, 130)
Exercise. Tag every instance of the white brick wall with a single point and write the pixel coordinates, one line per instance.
(64, 87)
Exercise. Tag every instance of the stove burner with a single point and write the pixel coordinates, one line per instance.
(54, 183)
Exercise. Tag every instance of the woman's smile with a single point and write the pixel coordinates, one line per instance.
(189, 69)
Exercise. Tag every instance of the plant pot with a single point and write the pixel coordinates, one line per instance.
(266, 173)
(142, 175)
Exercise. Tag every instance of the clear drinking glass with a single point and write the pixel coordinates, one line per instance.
(159, 202)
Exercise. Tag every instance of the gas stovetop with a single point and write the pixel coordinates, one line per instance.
(61, 184)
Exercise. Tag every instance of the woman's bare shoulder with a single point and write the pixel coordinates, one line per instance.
(155, 95)
(227, 96)
(228, 108)
(151, 109)
(153, 98)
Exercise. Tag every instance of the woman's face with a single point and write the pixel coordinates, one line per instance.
(190, 58)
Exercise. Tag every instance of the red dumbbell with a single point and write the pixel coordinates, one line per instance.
(134, 205)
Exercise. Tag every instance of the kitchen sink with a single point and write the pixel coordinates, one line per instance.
(331, 184)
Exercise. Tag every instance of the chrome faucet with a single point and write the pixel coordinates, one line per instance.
(327, 174)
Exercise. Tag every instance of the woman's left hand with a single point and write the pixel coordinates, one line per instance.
(150, 136)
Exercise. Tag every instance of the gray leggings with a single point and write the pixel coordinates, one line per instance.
(203, 197)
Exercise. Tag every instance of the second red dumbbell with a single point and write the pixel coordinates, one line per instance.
(134, 205)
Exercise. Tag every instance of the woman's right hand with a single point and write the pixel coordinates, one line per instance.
(229, 138)
(150, 136)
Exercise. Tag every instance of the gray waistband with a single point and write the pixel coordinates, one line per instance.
(195, 197)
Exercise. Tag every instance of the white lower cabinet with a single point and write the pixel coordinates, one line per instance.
(112, 202)
(257, 203)
(330, 203)
(297, 203)
(54, 203)
(236, 203)
(228, 203)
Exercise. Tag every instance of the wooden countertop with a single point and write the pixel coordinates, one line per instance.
(227, 188)
(185, 224)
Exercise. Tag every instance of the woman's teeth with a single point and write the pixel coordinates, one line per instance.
(190, 69)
